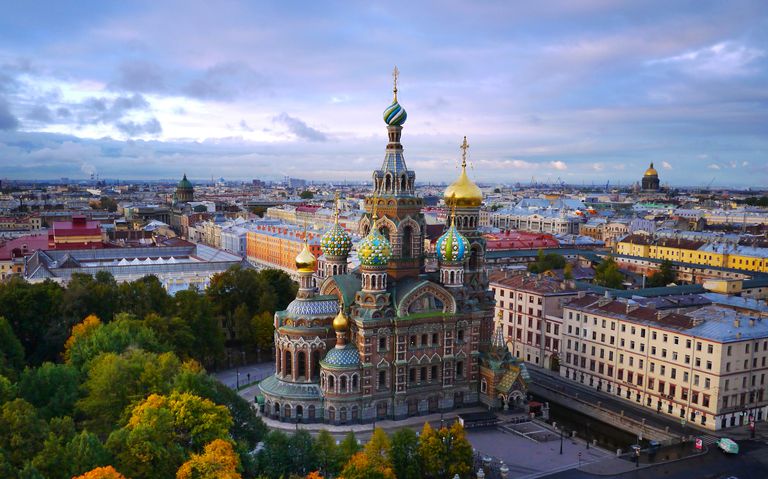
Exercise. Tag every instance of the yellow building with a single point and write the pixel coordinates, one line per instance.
(749, 258)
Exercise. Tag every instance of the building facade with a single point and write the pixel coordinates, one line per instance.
(707, 367)
(530, 311)
(389, 340)
(650, 181)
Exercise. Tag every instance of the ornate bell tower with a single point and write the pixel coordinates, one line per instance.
(400, 219)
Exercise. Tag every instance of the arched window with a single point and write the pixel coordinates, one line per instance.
(483, 385)
(301, 365)
(387, 183)
(407, 246)
(288, 363)
(311, 412)
(277, 409)
(343, 384)
(299, 411)
(315, 364)
(287, 410)
(354, 382)
(402, 183)
(331, 383)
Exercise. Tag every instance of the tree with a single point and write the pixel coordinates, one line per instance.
(568, 271)
(107, 472)
(79, 331)
(22, 432)
(302, 452)
(144, 296)
(120, 335)
(86, 294)
(348, 447)
(607, 274)
(360, 466)
(306, 195)
(7, 390)
(459, 450)
(115, 381)
(663, 276)
(11, 350)
(378, 449)
(107, 203)
(195, 310)
(263, 328)
(326, 453)
(162, 431)
(546, 262)
(51, 388)
(66, 453)
(404, 454)
(218, 461)
(33, 311)
(174, 332)
(274, 459)
(431, 450)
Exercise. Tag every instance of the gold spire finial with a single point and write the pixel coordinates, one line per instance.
(395, 75)
(453, 209)
(464, 147)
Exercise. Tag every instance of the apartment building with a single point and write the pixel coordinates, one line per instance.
(530, 308)
(706, 367)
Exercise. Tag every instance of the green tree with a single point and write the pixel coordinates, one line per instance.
(163, 431)
(22, 432)
(432, 453)
(306, 195)
(302, 453)
(663, 276)
(348, 447)
(86, 294)
(115, 381)
(404, 454)
(546, 262)
(274, 459)
(173, 332)
(568, 271)
(34, 313)
(7, 390)
(11, 350)
(144, 296)
(51, 388)
(263, 328)
(122, 334)
(459, 450)
(194, 309)
(607, 274)
(107, 203)
(327, 453)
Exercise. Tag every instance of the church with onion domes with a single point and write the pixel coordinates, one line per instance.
(389, 340)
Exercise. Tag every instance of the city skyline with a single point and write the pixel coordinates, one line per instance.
(590, 94)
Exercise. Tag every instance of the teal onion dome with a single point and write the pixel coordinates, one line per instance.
(184, 183)
(452, 246)
(336, 241)
(374, 249)
(395, 114)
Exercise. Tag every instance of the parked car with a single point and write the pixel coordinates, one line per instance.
(728, 446)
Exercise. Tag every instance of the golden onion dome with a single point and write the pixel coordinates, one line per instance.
(341, 322)
(305, 260)
(651, 171)
(463, 192)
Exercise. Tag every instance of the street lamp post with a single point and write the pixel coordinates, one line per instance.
(237, 380)
(561, 440)
(588, 435)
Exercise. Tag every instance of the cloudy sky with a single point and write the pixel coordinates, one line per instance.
(581, 90)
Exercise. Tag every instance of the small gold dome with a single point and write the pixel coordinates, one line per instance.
(463, 192)
(305, 261)
(341, 322)
(651, 171)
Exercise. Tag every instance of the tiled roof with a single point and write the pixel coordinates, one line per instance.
(345, 357)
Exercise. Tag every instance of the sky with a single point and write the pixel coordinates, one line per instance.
(582, 91)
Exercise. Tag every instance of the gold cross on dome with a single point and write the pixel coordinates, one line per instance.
(464, 147)
(395, 76)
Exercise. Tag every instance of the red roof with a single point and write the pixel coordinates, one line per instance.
(32, 243)
(520, 240)
(79, 226)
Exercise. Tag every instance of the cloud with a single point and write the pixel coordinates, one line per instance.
(225, 82)
(299, 128)
(666, 165)
(721, 59)
(140, 76)
(713, 166)
(558, 165)
(150, 127)
(244, 126)
(40, 113)
(7, 120)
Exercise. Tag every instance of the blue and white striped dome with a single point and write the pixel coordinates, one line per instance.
(452, 246)
(395, 114)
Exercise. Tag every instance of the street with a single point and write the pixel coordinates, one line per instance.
(751, 463)
(256, 371)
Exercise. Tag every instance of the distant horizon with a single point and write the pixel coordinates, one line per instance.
(579, 90)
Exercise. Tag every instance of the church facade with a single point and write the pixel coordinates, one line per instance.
(389, 340)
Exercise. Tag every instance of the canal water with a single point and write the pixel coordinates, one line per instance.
(608, 436)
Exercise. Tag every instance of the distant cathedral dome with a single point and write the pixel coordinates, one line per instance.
(305, 260)
(185, 192)
(463, 192)
(452, 246)
(374, 249)
(650, 181)
(336, 241)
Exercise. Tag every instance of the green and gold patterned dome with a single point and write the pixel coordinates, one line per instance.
(374, 249)
(336, 241)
